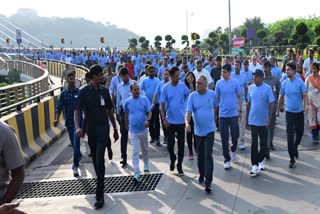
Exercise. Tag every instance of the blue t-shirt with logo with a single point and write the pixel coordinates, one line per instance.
(227, 91)
(148, 86)
(138, 109)
(293, 90)
(175, 98)
(242, 79)
(259, 97)
(202, 108)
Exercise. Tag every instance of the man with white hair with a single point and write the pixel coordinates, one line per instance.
(254, 65)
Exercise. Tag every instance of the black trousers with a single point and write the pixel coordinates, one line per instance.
(294, 125)
(171, 130)
(258, 133)
(154, 125)
(190, 137)
(124, 136)
(97, 146)
(205, 159)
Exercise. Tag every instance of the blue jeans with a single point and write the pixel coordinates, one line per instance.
(205, 159)
(225, 124)
(75, 141)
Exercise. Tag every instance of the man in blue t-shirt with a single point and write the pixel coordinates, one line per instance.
(259, 113)
(230, 101)
(137, 110)
(172, 101)
(156, 97)
(202, 104)
(293, 91)
(243, 82)
(148, 87)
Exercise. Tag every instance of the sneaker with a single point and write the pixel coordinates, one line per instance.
(158, 143)
(201, 179)
(262, 166)
(190, 156)
(172, 163)
(227, 165)
(136, 177)
(242, 145)
(292, 164)
(146, 168)
(208, 190)
(180, 171)
(255, 170)
(75, 171)
(233, 156)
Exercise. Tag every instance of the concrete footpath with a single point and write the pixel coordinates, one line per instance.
(276, 190)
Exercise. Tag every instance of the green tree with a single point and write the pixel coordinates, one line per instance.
(133, 43)
(300, 35)
(185, 40)
(169, 41)
(262, 34)
(157, 43)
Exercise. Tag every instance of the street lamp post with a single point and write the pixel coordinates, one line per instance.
(187, 21)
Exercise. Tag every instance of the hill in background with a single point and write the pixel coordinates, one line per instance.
(80, 31)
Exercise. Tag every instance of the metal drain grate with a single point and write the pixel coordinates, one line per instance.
(87, 186)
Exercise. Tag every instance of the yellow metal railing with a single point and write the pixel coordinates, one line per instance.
(17, 92)
(56, 68)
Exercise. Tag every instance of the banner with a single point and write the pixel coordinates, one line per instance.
(236, 51)
(238, 42)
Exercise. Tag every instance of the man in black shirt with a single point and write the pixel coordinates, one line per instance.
(94, 100)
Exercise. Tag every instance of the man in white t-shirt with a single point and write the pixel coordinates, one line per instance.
(307, 63)
(200, 70)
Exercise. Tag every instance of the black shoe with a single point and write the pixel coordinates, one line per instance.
(208, 190)
(123, 162)
(151, 141)
(201, 179)
(272, 148)
(292, 164)
(89, 154)
(315, 142)
(110, 154)
(180, 171)
(172, 164)
(99, 204)
(158, 143)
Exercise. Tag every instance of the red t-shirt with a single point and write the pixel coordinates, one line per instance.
(130, 68)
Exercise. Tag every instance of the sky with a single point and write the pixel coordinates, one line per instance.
(150, 18)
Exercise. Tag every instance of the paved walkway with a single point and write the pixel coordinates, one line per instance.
(277, 190)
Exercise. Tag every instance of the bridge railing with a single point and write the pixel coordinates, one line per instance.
(56, 68)
(17, 92)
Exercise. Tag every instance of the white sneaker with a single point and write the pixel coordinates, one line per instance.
(255, 170)
(242, 145)
(262, 166)
(227, 165)
(233, 156)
